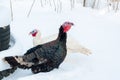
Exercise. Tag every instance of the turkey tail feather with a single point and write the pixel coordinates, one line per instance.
(7, 72)
(74, 46)
(17, 62)
(12, 61)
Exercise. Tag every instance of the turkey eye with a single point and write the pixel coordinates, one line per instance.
(33, 31)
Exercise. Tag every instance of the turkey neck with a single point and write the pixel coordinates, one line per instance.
(62, 36)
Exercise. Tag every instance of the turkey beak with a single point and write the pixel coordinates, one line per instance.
(30, 33)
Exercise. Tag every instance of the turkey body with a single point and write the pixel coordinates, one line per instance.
(44, 57)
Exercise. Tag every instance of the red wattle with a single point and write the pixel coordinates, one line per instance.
(34, 34)
(66, 28)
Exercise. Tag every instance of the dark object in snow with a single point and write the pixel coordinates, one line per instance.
(7, 72)
(45, 57)
(4, 37)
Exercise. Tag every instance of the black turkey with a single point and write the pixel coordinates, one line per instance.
(44, 57)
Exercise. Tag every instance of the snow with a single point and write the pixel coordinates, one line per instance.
(5, 16)
(99, 32)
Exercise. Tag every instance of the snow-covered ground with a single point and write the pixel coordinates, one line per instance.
(98, 32)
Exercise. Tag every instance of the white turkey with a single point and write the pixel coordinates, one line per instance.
(73, 46)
